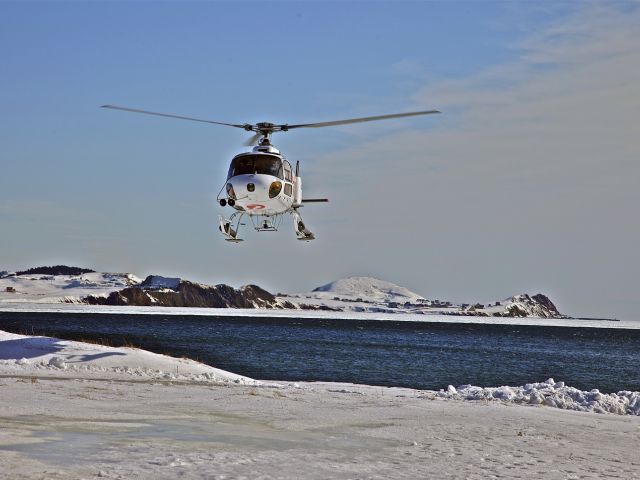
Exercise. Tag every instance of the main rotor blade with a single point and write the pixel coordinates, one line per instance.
(135, 110)
(362, 119)
(253, 140)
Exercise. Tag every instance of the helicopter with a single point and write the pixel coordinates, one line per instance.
(261, 183)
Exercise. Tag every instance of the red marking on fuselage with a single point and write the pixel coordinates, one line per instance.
(255, 206)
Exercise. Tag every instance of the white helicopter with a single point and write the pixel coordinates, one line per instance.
(262, 183)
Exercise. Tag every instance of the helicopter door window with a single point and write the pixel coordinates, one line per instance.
(288, 189)
(287, 172)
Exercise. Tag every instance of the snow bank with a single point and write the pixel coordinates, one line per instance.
(551, 394)
(45, 356)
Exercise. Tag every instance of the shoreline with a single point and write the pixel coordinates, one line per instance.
(70, 308)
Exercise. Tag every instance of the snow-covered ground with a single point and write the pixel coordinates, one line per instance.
(75, 410)
(62, 288)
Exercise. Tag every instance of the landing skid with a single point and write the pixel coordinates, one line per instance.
(302, 232)
(227, 227)
(231, 226)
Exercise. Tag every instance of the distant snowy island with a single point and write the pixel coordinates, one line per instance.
(73, 285)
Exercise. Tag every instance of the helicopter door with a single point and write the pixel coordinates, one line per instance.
(288, 178)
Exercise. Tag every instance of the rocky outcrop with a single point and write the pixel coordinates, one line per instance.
(530, 306)
(546, 303)
(190, 294)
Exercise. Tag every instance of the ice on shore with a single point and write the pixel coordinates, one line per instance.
(23, 355)
(551, 394)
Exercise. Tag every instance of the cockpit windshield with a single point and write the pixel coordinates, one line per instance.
(256, 164)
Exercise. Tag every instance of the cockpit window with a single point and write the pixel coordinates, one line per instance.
(252, 164)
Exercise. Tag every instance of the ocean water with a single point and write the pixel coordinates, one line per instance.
(406, 354)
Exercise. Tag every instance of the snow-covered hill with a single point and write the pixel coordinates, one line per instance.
(38, 288)
(368, 294)
(369, 288)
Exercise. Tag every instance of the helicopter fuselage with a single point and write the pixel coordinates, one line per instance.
(262, 182)
(259, 194)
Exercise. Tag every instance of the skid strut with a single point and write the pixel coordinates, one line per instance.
(226, 226)
(302, 232)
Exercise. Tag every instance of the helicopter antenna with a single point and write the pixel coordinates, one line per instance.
(263, 130)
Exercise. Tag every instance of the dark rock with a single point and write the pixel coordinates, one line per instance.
(546, 302)
(56, 270)
(189, 294)
(158, 282)
(306, 306)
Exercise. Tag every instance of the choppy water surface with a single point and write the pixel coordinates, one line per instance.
(407, 354)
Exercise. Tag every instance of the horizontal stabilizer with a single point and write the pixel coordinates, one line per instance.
(314, 200)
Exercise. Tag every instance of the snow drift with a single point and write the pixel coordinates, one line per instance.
(46, 356)
(551, 394)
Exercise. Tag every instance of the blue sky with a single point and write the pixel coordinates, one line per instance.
(242, 61)
(119, 191)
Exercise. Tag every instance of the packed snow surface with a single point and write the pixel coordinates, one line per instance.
(77, 410)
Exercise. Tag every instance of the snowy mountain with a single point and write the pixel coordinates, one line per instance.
(351, 294)
(370, 288)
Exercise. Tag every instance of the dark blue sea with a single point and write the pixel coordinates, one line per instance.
(405, 354)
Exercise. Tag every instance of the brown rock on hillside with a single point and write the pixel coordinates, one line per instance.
(190, 294)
